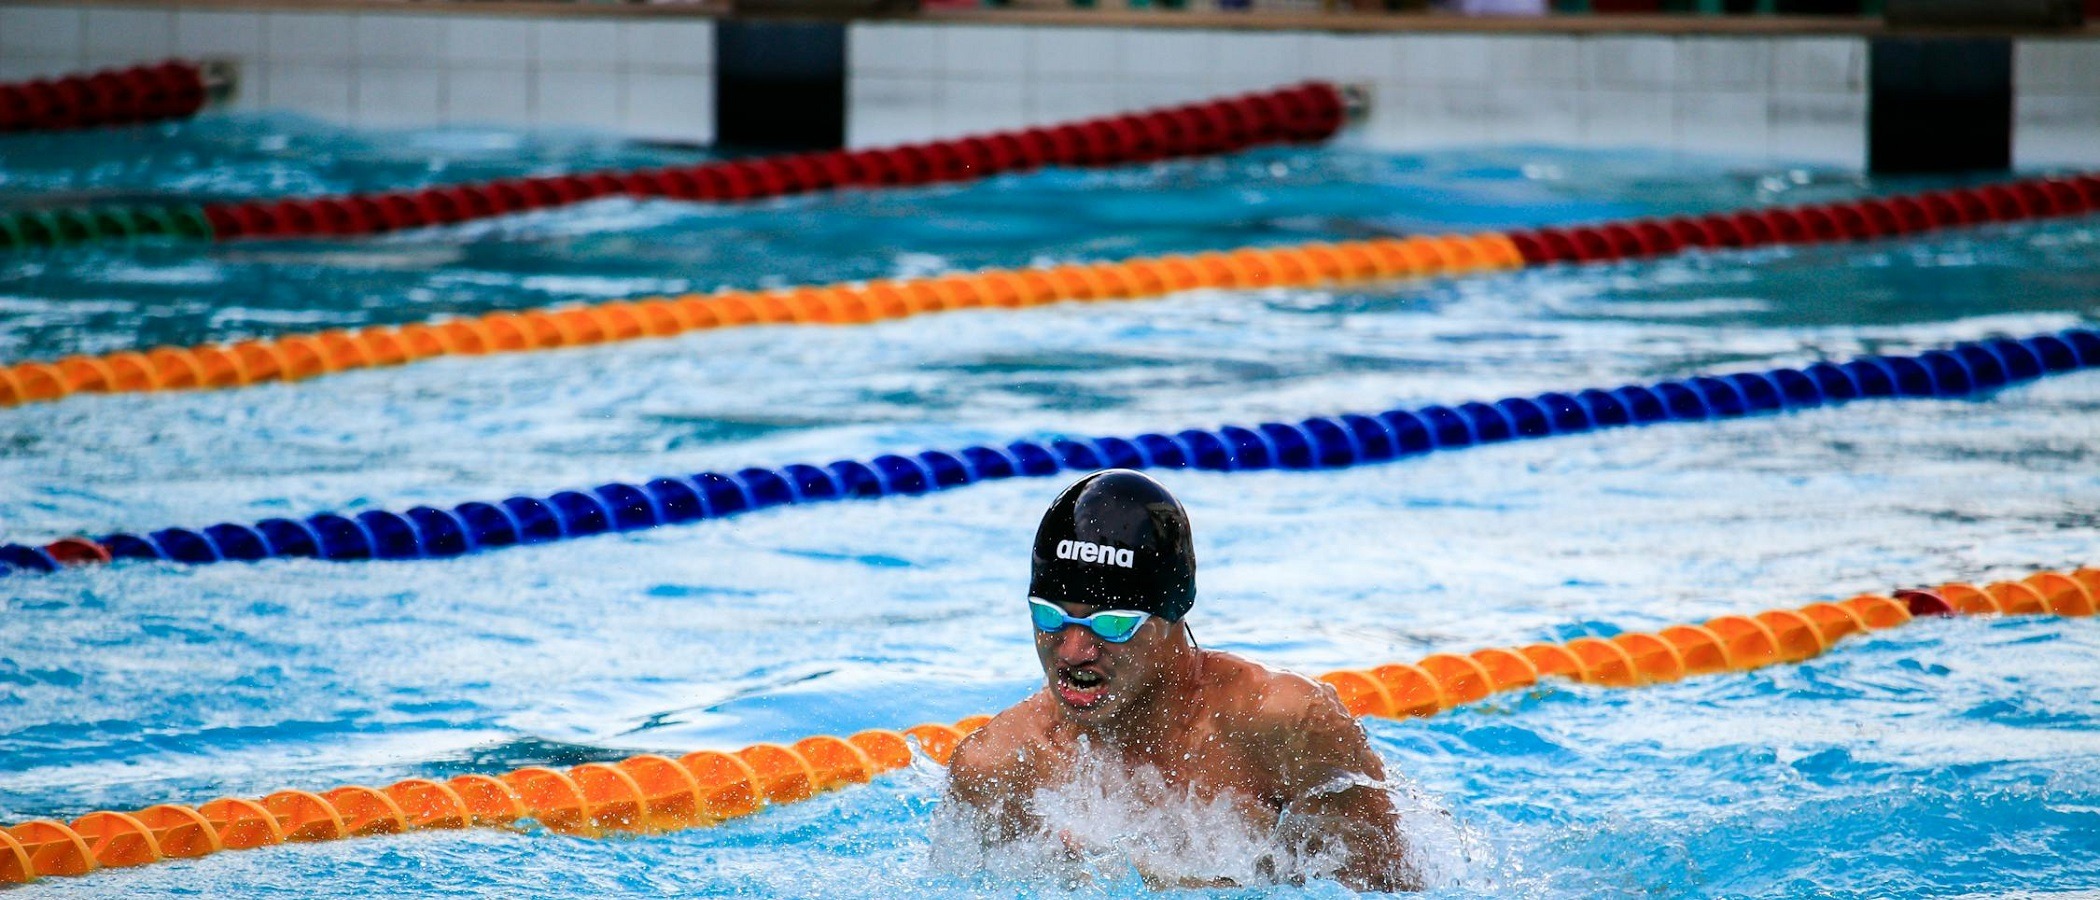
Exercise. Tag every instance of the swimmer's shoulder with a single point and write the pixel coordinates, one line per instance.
(1266, 698)
(1007, 746)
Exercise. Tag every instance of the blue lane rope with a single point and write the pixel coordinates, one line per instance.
(1964, 370)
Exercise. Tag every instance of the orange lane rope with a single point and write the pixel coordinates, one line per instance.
(657, 793)
(301, 356)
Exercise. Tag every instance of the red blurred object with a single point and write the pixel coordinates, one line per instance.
(168, 90)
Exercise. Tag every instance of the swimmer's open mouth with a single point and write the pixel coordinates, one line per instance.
(1081, 688)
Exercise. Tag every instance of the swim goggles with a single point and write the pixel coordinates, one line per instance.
(1112, 625)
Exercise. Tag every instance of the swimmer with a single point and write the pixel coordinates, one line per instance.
(1113, 578)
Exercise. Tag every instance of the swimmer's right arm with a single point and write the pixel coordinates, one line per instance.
(990, 777)
(1337, 794)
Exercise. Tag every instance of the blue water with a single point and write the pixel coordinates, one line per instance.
(1949, 758)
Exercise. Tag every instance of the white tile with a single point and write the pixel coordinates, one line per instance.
(1392, 123)
(671, 106)
(1452, 59)
(1632, 119)
(1080, 52)
(400, 96)
(1820, 64)
(973, 50)
(1828, 128)
(18, 67)
(680, 45)
(1624, 63)
(489, 95)
(1732, 124)
(1465, 60)
(1738, 64)
(403, 37)
(975, 107)
(2056, 66)
(579, 43)
(1140, 95)
(1173, 54)
(1527, 114)
(324, 92)
(1412, 59)
(894, 50)
(581, 98)
(1249, 60)
(127, 37)
(1051, 102)
(883, 110)
(2056, 130)
(43, 31)
(1553, 60)
(1347, 58)
(474, 40)
(201, 33)
(1447, 116)
(311, 38)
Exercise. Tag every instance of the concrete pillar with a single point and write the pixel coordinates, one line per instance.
(1939, 104)
(780, 85)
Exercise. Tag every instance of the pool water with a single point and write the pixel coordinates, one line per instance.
(1947, 758)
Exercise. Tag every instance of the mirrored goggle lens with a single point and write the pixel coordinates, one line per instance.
(1047, 617)
(1116, 626)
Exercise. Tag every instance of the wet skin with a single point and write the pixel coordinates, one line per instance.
(1212, 724)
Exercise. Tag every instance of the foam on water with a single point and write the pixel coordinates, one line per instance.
(1112, 823)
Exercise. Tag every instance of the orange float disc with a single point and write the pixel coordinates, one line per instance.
(117, 840)
(1461, 679)
(181, 832)
(835, 762)
(242, 824)
(936, 740)
(1413, 691)
(728, 786)
(887, 750)
(1654, 659)
(1702, 651)
(1508, 668)
(1360, 694)
(1609, 664)
(783, 775)
(671, 796)
(426, 804)
(615, 800)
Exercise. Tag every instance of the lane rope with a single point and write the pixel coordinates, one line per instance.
(654, 793)
(301, 356)
(1962, 370)
(175, 89)
(298, 357)
(1304, 113)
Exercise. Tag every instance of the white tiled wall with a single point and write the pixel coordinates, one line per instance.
(1764, 98)
(2056, 102)
(649, 78)
(1774, 98)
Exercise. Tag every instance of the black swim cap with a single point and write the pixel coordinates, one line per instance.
(1116, 540)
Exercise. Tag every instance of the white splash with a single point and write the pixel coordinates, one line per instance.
(1116, 827)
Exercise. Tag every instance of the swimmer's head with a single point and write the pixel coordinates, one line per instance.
(1114, 573)
(1116, 540)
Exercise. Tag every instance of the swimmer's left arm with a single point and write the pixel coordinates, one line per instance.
(1334, 790)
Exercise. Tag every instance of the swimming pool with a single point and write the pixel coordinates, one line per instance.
(1946, 758)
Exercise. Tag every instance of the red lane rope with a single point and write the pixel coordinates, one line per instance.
(1304, 113)
(1847, 220)
(171, 90)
